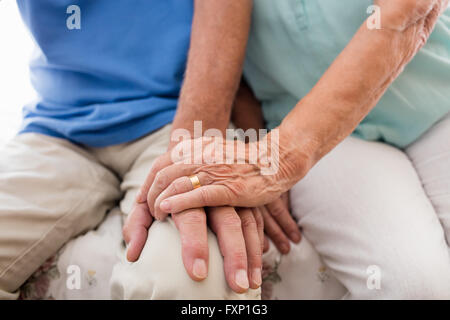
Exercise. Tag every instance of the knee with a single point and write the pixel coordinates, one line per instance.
(410, 278)
(160, 274)
(423, 282)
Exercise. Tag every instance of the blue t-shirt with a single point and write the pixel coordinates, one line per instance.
(106, 72)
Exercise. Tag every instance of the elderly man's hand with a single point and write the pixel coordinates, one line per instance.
(279, 226)
(239, 232)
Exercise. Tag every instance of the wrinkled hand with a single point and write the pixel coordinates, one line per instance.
(235, 181)
(239, 232)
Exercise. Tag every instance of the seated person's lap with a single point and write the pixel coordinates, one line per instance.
(363, 207)
(50, 191)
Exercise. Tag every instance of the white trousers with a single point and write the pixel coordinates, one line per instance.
(380, 217)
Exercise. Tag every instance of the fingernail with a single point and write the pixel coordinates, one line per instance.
(295, 237)
(256, 276)
(128, 252)
(284, 248)
(199, 269)
(165, 205)
(242, 279)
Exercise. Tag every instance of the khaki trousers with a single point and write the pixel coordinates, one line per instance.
(52, 190)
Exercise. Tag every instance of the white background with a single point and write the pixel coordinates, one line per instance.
(16, 48)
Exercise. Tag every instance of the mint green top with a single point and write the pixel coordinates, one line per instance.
(293, 42)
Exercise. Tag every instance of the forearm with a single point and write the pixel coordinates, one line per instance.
(218, 42)
(247, 112)
(354, 83)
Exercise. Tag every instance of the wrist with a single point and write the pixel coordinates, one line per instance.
(292, 156)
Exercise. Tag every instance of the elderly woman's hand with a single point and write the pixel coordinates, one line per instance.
(229, 173)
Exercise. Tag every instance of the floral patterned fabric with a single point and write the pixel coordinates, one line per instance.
(298, 275)
(36, 288)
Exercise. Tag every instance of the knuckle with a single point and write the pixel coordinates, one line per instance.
(206, 175)
(174, 188)
(239, 255)
(194, 219)
(145, 186)
(231, 221)
(248, 222)
(255, 259)
(204, 195)
(259, 222)
(177, 186)
(236, 187)
(277, 211)
(161, 179)
(292, 227)
(158, 162)
(156, 166)
(278, 237)
(230, 196)
(196, 246)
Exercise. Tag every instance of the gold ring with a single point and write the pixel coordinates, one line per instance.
(195, 181)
